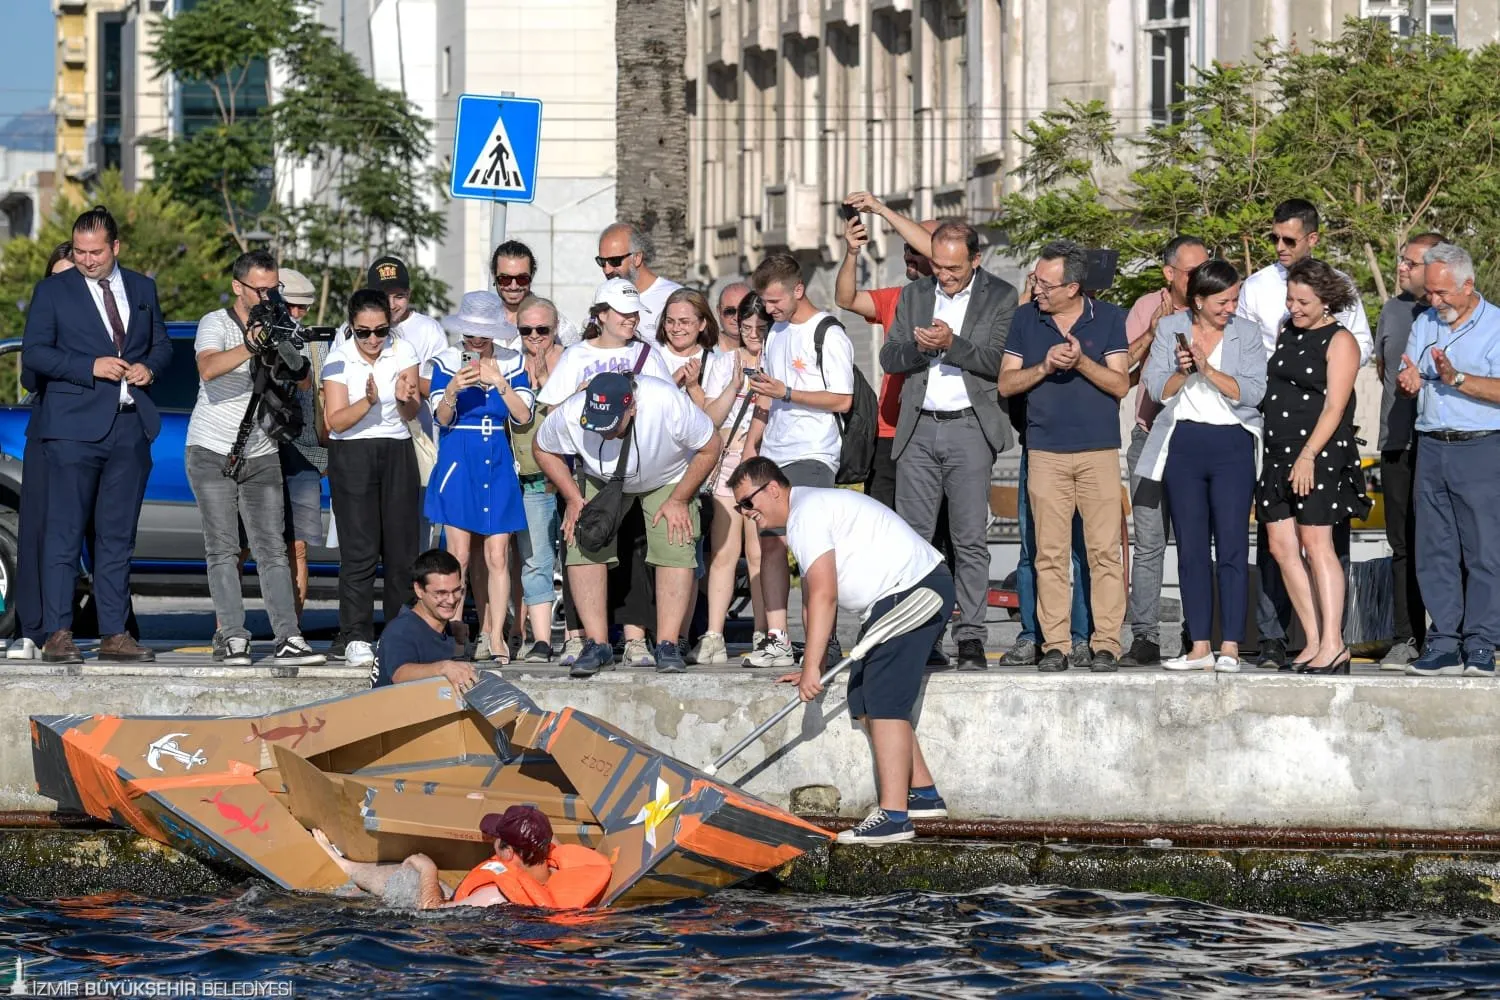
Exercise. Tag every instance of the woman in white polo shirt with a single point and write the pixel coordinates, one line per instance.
(371, 389)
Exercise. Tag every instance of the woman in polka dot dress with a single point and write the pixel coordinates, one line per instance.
(1311, 479)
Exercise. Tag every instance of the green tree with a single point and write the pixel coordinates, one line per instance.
(172, 241)
(365, 145)
(1388, 136)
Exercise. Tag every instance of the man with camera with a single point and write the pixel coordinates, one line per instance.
(227, 347)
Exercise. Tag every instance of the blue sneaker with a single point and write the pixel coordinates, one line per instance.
(594, 657)
(1479, 662)
(1436, 663)
(878, 828)
(669, 659)
(925, 806)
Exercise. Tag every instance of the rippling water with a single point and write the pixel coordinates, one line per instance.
(1011, 942)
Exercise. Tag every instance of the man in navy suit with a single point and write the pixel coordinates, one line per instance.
(95, 341)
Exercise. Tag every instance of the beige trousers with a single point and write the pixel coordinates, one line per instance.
(1057, 484)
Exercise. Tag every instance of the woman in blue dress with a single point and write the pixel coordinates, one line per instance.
(477, 393)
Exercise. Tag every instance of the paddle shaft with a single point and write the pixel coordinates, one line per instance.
(781, 713)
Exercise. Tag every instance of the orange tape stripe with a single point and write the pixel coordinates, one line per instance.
(563, 718)
(239, 773)
(731, 847)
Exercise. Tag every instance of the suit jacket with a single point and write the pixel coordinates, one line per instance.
(65, 335)
(977, 349)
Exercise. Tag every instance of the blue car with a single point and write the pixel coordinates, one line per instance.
(169, 557)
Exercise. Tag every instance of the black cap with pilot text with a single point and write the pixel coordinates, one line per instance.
(606, 401)
(388, 273)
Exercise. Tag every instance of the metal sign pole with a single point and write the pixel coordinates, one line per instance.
(499, 210)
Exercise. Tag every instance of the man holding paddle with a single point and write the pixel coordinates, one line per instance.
(857, 554)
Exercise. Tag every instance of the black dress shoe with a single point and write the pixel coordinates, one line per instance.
(937, 659)
(1142, 653)
(1104, 662)
(971, 655)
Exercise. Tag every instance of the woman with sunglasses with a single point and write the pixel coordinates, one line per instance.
(730, 532)
(1311, 479)
(477, 393)
(371, 389)
(536, 323)
(689, 335)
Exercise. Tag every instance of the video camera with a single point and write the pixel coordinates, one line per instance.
(277, 365)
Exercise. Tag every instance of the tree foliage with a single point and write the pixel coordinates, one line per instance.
(174, 242)
(356, 148)
(1388, 136)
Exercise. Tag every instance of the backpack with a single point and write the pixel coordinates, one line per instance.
(857, 427)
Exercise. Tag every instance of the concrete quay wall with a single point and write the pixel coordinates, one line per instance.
(1373, 752)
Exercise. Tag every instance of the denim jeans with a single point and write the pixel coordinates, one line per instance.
(254, 496)
(539, 546)
(1082, 624)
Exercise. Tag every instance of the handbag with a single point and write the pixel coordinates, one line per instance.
(425, 449)
(599, 521)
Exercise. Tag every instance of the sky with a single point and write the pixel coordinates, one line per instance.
(26, 70)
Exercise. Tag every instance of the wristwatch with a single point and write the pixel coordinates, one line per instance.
(786, 397)
(1458, 379)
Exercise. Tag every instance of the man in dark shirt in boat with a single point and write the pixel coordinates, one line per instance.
(529, 868)
(418, 645)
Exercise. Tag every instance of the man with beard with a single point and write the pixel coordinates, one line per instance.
(625, 252)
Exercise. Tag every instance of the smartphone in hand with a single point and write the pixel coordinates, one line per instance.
(1182, 345)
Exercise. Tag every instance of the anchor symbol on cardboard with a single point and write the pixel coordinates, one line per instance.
(167, 747)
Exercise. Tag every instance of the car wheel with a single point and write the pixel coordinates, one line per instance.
(9, 561)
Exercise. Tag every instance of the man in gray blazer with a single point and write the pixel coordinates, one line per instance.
(948, 338)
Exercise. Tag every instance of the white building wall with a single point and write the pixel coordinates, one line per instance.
(562, 53)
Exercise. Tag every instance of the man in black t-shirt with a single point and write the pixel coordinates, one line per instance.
(417, 644)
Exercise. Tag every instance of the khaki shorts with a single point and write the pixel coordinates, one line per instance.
(659, 551)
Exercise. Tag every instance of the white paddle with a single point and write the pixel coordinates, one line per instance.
(912, 611)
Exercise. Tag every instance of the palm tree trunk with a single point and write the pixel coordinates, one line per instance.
(651, 137)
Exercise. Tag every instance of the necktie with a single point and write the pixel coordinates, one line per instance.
(112, 309)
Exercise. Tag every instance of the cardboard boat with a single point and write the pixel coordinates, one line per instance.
(411, 768)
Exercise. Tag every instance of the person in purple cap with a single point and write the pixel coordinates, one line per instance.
(673, 448)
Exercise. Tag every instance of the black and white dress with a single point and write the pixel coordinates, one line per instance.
(1296, 387)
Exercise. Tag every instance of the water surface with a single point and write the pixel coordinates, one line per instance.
(1006, 942)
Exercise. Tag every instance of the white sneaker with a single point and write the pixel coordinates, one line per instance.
(236, 652)
(482, 650)
(1227, 664)
(359, 654)
(1189, 663)
(23, 649)
(774, 651)
(572, 646)
(711, 649)
(638, 654)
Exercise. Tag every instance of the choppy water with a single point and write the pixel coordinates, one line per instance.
(1012, 942)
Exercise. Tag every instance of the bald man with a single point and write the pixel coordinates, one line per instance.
(625, 252)
(729, 315)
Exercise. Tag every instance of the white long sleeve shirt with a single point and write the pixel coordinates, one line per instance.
(1263, 302)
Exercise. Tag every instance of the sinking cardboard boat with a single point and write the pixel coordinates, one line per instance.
(412, 768)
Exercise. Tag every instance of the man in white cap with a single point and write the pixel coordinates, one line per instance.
(305, 460)
(674, 446)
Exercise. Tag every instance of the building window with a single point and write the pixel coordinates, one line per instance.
(111, 69)
(447, 70)
(1441, 17)
(1167, 24)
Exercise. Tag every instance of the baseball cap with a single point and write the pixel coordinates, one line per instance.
(388, 273)
(296, 289)
(606, 399)
(619, 294)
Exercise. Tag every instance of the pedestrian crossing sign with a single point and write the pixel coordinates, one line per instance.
(496, 144)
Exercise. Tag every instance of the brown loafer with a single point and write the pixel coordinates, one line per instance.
(123, 648)
(59, 648)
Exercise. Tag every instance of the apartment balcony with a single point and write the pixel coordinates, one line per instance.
(722, 48)
(841, 12)
(69, 6)
(950, 201)
(761, 25)
(71, 107)
(791, 217)
(74, 50)
(74, 166)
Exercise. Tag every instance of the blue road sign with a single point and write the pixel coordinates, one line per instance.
(496, 145)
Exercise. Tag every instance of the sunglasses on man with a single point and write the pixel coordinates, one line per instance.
(506, 280)
(1284, 241)
(615, 261)
(746, 505)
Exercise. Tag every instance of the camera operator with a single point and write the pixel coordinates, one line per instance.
(226, 367)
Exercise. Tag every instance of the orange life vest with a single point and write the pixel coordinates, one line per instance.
(579, 877)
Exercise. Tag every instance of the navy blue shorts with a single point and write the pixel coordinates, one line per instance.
(886, 683)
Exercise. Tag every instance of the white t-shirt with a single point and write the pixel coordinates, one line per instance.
(794, 432)
(718, 370)
(215, 422)
(584, 360)
(1263, 302)
(348, 367)
(876, 553)
(653, 305)
(669, 429)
